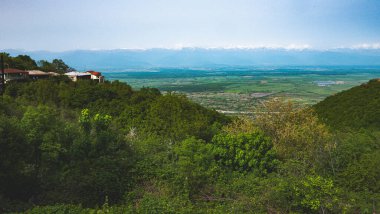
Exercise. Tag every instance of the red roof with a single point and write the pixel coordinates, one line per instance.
(95, 73)
(14, 71)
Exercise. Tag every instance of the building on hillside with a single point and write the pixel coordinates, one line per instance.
(53, 74)
(36, 74)
(96, 76)
(12, 74)
(75, 76)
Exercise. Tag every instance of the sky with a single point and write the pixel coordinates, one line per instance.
(60, 25)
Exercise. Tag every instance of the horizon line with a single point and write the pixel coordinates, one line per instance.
(364, 46)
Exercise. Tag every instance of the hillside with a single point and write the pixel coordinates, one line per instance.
(77, 147)
(358, 107)
(88, 147)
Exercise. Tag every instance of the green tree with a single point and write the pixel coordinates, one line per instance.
(317, 194)
(46, 66)
(39, 124)
(297, 133)
(60, 66)
(245, 152)
(7, 58)
(23, 62)
(363, 174)
(195, 166)
(17, 184)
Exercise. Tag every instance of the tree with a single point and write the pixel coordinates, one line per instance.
(46, 66)
(38, 123)
(100, 162)
(7, 58)
(23, 62)
(57, 65)
(195, 166)
(14, 176)
(317, 194)
(245, 152)
(60, 66)
(297, 133)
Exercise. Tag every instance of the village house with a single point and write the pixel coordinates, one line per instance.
(12, 74)
(75, 76)
(90, 75)
(53, 74)
(36, 74)
(96, 76)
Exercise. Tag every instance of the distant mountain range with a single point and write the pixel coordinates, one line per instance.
(113, 60)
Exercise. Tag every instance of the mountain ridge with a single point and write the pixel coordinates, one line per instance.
(202, 57)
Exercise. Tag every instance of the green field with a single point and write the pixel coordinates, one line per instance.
(240, 91)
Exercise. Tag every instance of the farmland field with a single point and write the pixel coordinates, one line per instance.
(240, 89)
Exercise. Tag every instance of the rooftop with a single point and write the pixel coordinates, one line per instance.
(75, 73)
(38, 73)
(95, 73)
(14, 71)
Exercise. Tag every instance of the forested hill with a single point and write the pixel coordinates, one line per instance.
(358, 107)
(72, 142)
(88, 147)
(169, 115)
(85, 147)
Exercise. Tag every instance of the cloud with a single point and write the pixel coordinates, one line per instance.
(297, 47)
(273, 46)
(367, 46)
(181, 46)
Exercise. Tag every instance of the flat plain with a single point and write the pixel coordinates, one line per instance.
(240, 89)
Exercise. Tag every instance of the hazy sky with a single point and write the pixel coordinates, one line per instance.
(58, 25)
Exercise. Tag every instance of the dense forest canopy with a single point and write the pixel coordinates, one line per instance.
(356, 108)
(85, 147)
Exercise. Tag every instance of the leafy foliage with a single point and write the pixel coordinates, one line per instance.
(85, 147)
(195, 167)
(25, 62)
(245, 152)
(358, 107)
(297, 133)
(317, 193)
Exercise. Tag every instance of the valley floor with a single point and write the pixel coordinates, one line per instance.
(233, 90)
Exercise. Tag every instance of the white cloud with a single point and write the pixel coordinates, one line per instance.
(180, 46)
(272, 46)
(298, 47)
(367, 46)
